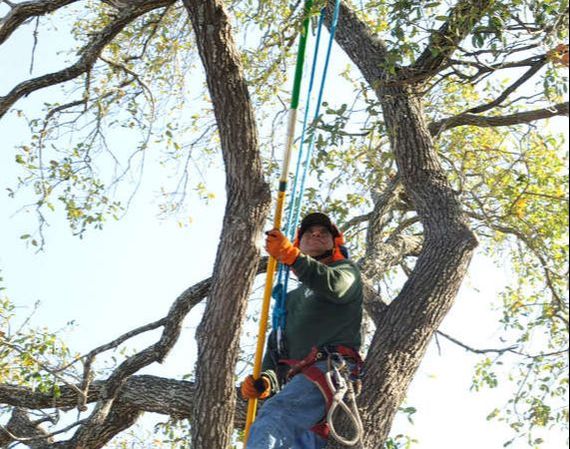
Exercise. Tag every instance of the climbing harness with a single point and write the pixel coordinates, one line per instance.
(340, 384)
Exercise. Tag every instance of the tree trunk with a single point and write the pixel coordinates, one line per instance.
(408, 324)
(246, 210)
(411, 320)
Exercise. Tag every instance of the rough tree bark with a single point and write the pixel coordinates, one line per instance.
(406, 326)
(246, 210)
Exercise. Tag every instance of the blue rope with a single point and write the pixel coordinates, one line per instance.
(295, 198)
(280, 290)
(296, 207)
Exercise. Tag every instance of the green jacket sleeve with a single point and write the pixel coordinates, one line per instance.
(338, 283)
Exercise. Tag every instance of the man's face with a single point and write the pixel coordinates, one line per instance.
(316, 240)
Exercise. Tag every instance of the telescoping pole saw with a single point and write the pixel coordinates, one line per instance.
(272, 264)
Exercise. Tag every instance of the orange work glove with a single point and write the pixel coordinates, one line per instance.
(279, 246)
(255, 388)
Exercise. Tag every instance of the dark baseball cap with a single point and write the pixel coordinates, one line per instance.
(318, 218)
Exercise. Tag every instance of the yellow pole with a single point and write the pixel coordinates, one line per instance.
(271, 268)
(272, 264)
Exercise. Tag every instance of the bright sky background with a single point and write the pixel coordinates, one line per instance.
(129, 274)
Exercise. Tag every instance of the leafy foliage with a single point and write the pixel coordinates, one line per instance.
(36, 358)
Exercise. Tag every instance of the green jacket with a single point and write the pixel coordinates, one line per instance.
(326, 309)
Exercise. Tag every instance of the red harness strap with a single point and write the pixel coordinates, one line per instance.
(315, 375)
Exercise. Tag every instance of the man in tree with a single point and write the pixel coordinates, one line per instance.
(324, 316)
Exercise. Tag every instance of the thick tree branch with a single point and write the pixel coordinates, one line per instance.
(246, 210)
(90, 434)
(26, 10)
(89, 54)
(21, 428)
(518, 118)
(410, 321)
(353, 35)
(152, 394)
(161, 395)
(535, 68)
(444, 42)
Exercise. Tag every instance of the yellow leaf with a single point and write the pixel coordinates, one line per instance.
(519, 207)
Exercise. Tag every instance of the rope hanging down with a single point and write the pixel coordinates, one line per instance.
(298, 191)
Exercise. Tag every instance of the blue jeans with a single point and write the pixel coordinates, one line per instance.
(284, 420)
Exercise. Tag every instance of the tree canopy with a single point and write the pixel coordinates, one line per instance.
(433, 140)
